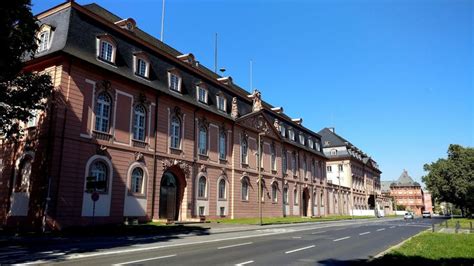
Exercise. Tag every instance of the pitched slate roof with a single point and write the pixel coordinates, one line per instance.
(385, 185)
(332, 139)
(405, 180)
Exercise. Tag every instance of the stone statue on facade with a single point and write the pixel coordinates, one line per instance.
(235, 110)
(257, 100)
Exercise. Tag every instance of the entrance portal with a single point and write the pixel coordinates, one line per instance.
(305, 201)
(169, 197)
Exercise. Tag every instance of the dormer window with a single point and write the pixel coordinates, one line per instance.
(142, 65)
(174, 82)
(310, 143)
(291, 134)
(44, 37)
(302, 139)
(283, 131)
(43, 41)
(221, 102)
(106, 49)
(202, 94)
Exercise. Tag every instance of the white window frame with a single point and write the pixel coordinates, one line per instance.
(246, 194)
(329, 168)
(221, 106)
(202, 140)
(244, 160)
(177, 83)
(137, 66)
(301, 136)
(274, 192)
(33, 120)
(291, 134)
(100, 118)
(202, 193)
(133, 183)
(222, 145)
(175, 135)
(44, 37)
(102, 56)
(137, 117)
(273, 157)
(219, 189)
(200, 88)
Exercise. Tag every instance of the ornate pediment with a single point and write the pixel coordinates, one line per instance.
(259, 123)
(184, 166)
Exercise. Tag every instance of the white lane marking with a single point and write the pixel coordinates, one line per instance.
(381, 229)
(391, 227)
(138, 261)
(243, 263)
(140, 248)
(236, 245)
(365, 233)
(299, 249)
(342, 238)
(320, 232)
(297, 237)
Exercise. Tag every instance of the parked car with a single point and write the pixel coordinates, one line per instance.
(408, 215)
(426, 214)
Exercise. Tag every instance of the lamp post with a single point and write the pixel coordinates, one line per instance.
(339, 189)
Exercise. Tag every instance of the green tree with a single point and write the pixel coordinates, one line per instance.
(452, 179)
(20, 92)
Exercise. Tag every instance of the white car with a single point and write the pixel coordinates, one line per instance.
(426, 214)
(408, 215)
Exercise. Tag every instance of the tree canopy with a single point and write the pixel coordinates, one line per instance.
(452, 179)
(20, 92)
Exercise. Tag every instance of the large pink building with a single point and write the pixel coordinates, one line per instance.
(153, 133)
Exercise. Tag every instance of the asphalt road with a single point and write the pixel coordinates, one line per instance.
(334, 243)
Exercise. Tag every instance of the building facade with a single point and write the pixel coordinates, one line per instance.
(136, 129)
(408, 193)
(356, 173)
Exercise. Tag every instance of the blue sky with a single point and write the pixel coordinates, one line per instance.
(393, 77)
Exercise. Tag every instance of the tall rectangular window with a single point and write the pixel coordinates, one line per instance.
(273, 158)
(174, 82)
(202, 94)
(106, 50)
(141, 67)
(43, 41)
(222, 146)
(221, 103)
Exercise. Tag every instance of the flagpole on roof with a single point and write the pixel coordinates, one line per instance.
(162, 21)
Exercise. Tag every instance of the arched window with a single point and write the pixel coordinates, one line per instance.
(136, 185)
(139, 122)
(245, 189)
(202, 140)
(274, 192)
(222, 146)
(97, 179)
(102, 112)
(244, 147)
(202, 187)
(175, 133)
(295, 196)
(23, 183)
(222, 192)
(285, 195)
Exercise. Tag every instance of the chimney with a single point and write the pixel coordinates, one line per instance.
(298, 121)
(332, 129)
(277, 110)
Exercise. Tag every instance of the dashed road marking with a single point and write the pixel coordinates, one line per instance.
(299, 249)
(342, 238)
(320, 232)
(381, 229)
(138, 261)
(365, 233)
(244, 263)
(236, 245)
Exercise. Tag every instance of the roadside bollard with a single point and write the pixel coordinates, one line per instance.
(432, 226)
(457, 226)
(446, 224)
(471, 226)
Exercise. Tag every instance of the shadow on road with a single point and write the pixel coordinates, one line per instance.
(86, 239)
(400, 260)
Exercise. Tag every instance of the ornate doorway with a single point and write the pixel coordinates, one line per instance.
(169, 197)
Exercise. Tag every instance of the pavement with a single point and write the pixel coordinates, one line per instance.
(322, 243)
